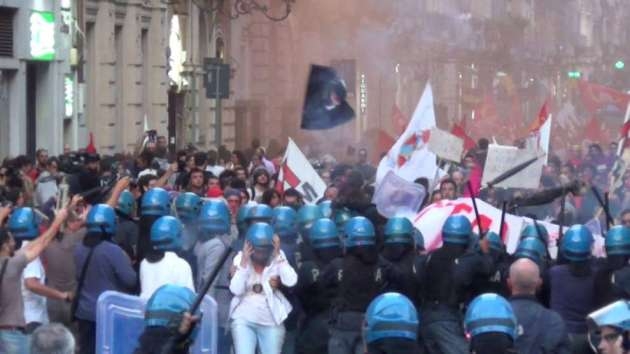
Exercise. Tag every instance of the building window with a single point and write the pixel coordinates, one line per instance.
(6, 31)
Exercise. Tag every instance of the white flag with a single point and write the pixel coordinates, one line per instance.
(410, 156)
(296, 172)
(545, 137)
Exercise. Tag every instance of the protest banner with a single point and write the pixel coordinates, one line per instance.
(503, 158)
(446, 145)
(395, 196)
(430, 220)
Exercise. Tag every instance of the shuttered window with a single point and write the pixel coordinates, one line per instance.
(6, 31)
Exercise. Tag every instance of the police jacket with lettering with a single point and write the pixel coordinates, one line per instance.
(361, 283)
(318, 285)
(406, 275)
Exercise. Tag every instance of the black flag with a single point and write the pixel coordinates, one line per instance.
(325, 105)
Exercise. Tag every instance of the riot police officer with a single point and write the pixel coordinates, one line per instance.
(496, 281)
(241, 225)
(572, 285)
(127, 232)
(363, 277)
(169, 327)
(609, 329)
(100, 265)
(491, 324)
(187, 206)
(155, 203)
(284, 223)
(398, 249)
(214, 238)
(307, 215)
(617, 246)
(162, 265)
(449, 274)
(318, 284)
(391, 325)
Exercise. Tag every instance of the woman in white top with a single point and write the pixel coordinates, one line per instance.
(161, 265)
(258, 309)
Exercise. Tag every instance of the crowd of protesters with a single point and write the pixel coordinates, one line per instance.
(281, 301)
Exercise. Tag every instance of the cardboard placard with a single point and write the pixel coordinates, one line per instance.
(503, 158)
(446, 145)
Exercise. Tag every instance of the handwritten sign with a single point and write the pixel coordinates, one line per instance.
(446, 145)
(502, 158)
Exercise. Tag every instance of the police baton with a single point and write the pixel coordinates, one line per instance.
(474, 202)
(170, 344)
(206, 286)
(604, 205)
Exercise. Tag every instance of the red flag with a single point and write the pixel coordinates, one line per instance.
(459, 130)
(625, 130)
(594, 131)
(91, 149)
(596, 97)
(541, 119)
(400, 122)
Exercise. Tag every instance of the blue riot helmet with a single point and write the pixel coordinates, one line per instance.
(615, 315)
(418, 239)
(325, 209)
(260, 234)
(155, 202)
(618, 241)
(495, 241)
(576, 243)
(241, 219)
(24, 224)
(284, 221)
(166, 234)
(259, 213)
(531, 248)
(101, 218)
(391, 315)
(214, 218)
(167, 305)
(126, 203)
(341, 217)
(456, 230)
(490, 313)
(323, 234)
(307, 214)
(359, 232)
(539, 232)
(399, 230)
(187, 206)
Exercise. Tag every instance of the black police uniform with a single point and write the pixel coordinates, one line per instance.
(317, 287)
(360, 283)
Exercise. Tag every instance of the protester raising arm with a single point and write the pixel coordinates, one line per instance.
(172, 169)
(37, 246)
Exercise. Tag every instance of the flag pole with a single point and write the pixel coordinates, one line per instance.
(474, 202)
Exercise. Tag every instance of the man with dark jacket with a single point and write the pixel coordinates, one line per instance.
(541, 330)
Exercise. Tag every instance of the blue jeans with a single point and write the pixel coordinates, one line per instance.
(14, 342)
(247, 335)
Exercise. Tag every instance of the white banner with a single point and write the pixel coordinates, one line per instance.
(430, 220)
(296, 172)
(446, 145)
(502, 158)
(395, 196)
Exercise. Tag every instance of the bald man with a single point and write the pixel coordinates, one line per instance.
(540, 330)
